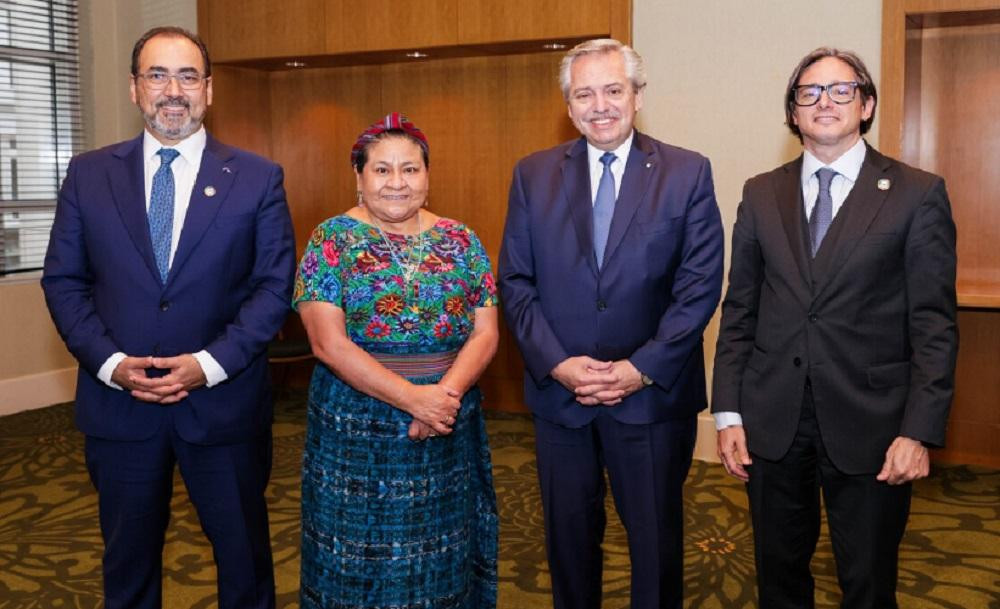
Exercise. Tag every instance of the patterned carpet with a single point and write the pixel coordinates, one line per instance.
(50, 547)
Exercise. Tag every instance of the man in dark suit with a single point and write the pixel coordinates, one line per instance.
(169, 269)
(836, 353)
(610, 268)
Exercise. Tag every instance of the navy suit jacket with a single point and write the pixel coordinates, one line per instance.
(657, 288)
(228, 290)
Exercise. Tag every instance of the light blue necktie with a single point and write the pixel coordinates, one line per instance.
(161, 211)
(822, 214)
(604, 207)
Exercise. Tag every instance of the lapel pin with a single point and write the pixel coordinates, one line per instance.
(884, 184)
(649, 164)
(210, 191)
(226, 170)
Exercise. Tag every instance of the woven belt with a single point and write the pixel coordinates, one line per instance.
(417, 364)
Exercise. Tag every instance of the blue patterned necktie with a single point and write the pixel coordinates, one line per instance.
(822, 214)
(604, 207)
(161, 211)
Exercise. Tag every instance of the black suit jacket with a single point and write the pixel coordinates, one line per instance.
(870, 321)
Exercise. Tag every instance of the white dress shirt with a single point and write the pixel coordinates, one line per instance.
(185, 169)
(617, 166)
(847, 166)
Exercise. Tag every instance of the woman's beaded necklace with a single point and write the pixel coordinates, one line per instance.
(415, 257)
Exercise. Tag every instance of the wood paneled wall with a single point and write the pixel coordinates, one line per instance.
(251, 29)
(938, 112)
(480, 115)
(481, 107)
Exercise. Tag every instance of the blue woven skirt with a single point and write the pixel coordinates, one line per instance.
(389, 523)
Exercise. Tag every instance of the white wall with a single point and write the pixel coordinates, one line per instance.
(717, 72)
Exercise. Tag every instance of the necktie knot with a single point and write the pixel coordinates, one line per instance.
(607, 158)
(825, 176)
(167, 156)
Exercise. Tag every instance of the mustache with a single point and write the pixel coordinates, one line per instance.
(173, 101)
(593, 116)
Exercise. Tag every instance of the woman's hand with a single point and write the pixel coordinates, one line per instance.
(435, 406)
(419, 430)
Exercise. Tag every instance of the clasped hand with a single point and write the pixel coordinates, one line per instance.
(598, 383)
(434, 409)
(184, 374)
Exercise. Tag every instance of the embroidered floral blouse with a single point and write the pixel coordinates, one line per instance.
(348, 263)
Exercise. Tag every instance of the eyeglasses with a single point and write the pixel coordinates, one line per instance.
(156, 80)
(838, 92)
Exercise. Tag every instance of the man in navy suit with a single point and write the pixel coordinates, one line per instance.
(610, 268)
(169, 269)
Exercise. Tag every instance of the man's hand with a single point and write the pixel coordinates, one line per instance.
(732, 449)
(905, 461)
(575, 372)
(184, 374)
(129, 370)
(625, 380)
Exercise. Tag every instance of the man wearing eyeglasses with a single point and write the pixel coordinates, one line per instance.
(169, 269)
(835, 361)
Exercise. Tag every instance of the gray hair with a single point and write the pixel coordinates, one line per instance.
(635, 70)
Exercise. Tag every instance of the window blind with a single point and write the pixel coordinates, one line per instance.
(40, 126)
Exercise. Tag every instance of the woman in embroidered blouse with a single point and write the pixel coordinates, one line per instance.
(398, 508)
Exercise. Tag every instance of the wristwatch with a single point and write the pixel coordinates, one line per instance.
(646, 381)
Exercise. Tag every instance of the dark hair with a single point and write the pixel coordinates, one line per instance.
(865, 84)
(172, 32)
(362, 157)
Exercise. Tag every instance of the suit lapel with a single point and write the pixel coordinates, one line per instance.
(215, 179)
(128, 190)
(788, 197)
(639, 168)
(576, 188)
(852, 221)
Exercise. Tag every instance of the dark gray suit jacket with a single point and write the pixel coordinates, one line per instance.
(871, 321)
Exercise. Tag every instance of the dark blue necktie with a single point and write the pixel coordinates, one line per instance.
(604, 207)
(822, 214)
(161, 211)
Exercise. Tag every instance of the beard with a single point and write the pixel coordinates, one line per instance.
(173, 128)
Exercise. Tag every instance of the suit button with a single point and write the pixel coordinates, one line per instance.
(601, 305)
(813, 317)
(797, 362)
(164, 305)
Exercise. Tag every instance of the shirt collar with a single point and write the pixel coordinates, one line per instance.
(594, 153)
(847, 165)
(190, 148)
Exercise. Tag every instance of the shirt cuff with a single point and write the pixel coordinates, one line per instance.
(727, 419)
(214, 373)
(104, 374)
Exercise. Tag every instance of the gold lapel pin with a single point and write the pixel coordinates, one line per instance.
(210, 191)
(884, 184)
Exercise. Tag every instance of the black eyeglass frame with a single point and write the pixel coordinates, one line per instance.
(794, 93)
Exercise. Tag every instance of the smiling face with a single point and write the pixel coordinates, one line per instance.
(394, 182)
(829, 129)
(602, 102)
(171, 113)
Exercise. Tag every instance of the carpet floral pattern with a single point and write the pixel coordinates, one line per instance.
(50, 546)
